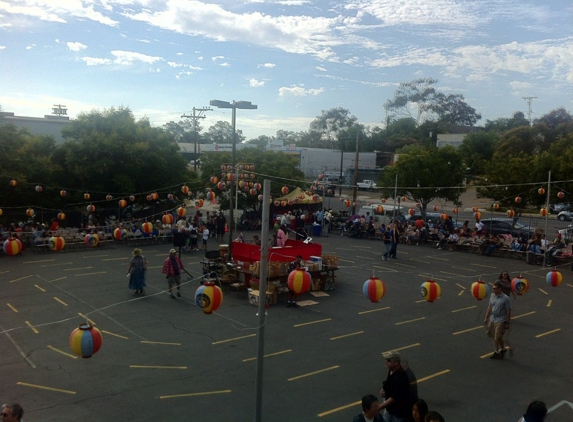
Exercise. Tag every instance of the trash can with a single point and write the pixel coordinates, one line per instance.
(316, 229)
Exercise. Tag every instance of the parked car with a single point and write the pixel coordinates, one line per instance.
(557, 208)
(565, 216)
(507, 225)
(367, 184)
(434, 216)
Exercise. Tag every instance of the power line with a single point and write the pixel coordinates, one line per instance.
(200, 115)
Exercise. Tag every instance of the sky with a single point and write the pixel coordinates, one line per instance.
(292, 58)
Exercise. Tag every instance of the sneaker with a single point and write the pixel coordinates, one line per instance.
(502, 353)
(495, 355)
(142, 292)
(295, 305)
(178, 293)
(511, 351)
(171, 296)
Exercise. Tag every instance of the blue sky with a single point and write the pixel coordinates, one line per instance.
(293, 58)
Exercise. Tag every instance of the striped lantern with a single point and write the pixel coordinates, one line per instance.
(480, 290)
(477, 215)
(316, 198)
(38, 188)
(120, 234)
(430, 290)
(122, 203)
(383, 200)
(181, 211)
(347, 202)
(86, 196)
(277, 203)
(541, 191)
(518, 199)
(61, 216)
(149, 198)
(231, 176)
(147, 227)
(63, 193)
(30, 212)
(167, 219)
(208, 297)
(379, 209)
(257, 186)
(221, 185)
(108, 197)
(86, 340)
(91, 240)
(155, 196)
(519, 285)
(12, 246)
(436, 208)
(199, 203)
(374, 289)
(543, 212)
(214, 180)
(132, 198)
(475, 209)
(260, 197)
(56, 243)
(560, 194)
(456, 210)
(185, 189)
(411, 211)
(496, 206)
(554, 278)
(290, 202)
(284, 190)
(510, 213)
(284, 203)
(252, 192)
(444, 216)
(90, 208)
(170, 196)
(13, 183)
(299, 281)
(211, 195)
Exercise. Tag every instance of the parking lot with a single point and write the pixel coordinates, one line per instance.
(163, 359)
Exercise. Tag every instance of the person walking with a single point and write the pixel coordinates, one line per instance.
(221, 221)
(136, 271)
(205, 233)
(387, 242)
(394, 240)
(397, 403)
(172, 267)
(497, 319)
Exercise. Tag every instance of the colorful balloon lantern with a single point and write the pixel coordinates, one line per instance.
(12, 246)
(411, 211)
(120, 234)
(444, 216)
(284, 203)
(63, 193)
(214, 180)
(181, 211)
(430, 290)
(277, 203)
(108, 197)
(510, 213)
(86, 196)
(38, 188)
(132, 198)
(257, 186)
(1, 212)
(374, 289)
(519, 285)
(436, 208)
(86, 340)
(260, 197)
(379, 209)
(477, 215)
(155, 196)
(543, 212)
(541, 191)
(30, 212)
(208, 297)
(170, 196)
(560, 194)
(122, 203)
(221, 185)
(347, 202)
(299, 281)
(404, 199)
(149, 198)
(211, 195)
(199, 203)
(61, 216)
(223, 167)
(384, 200)
(496, 206)
(56, 243)
(242, 184)
(185, 189)
(554, 278)
(480, 290)
(518, 199)
(475, 209)
(284, 190)
(290, 202)
(147, 227)
(167, 219)
(13, 183)
(231, 176)
(91, 240)
(91, 208)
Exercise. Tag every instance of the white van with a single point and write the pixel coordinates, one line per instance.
(333, 176)
(386, 215)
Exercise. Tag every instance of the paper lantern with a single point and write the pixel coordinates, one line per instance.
(411, 211)
(477, 215)
(554, 278)
(290, 202)
(404, 199)
(210, 196)
(155, 196)
(561, 195)
(379, 209)
(383, 200)
(170, 196)
(541, 191)
(132, 198)
(185, 189)
(299, 281)
(231, 177)
(181, 211)
(61, 216)
(63, 193)
(252, 192)
(91, 208)
(167, 219)
(56, 243)
(277, 203)
(444, 216)
(455, 210)
(13, 183)
(38, 188)
(223, 167)
(480, 290)
(122, 203)
(257, 186)
(120, 234)
(543, 212)
(108, 197)
(436, 208)
(260, 197)
(518, 199)
(284, 203)
(519, 285)
(253, 175)
(147, 227)
(214, 180)
(496, 206)
(374, 289)
(475, 209)
(12, 246)
(149, 198)
(430, 290)
(347, 202)
(284, 190)
(510, 213)
(1, 212)
(91, 240)
(30, 212)
(208, 297)
(229, 167)
(242, 184)
(86, 340)
(86, 196)
(199, 203)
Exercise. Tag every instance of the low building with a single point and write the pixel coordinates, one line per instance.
(49, 125)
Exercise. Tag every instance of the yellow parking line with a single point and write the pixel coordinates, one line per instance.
(62, 352)
(40, 260)
(549, 303)
(313, 373)
(464, 309)
(522, 315)
(81, 275)
(233, 339)
(39, 288)
(85, 317)
(206, 393)
(364, 257)
(94, 256)
(468, 330)
(421, 301)
(403, 347)
(76, 269)
(269, 355)
(548, 332)
(445, 272)
(347, 335)
(114, 259)
(46, 388)
(160, 342)
(338, 409)
(61, 301)
(373, 310)
(21, 278)
(460, 286)
(156, 367)
(483, 266)
(437, 374)
(58, 279)
(11, 307)
(464, 268)
(433, 278)
(411, 320)
(56, 265)
(543, 291)
(113, 334)
(404, 265)
(312, 322)
(32, 327)
(461, 292)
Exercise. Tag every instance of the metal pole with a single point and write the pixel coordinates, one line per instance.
(262, 301)
(232, 193)
(547, 216)
(354, 188)
(395, 195)
(341, 164)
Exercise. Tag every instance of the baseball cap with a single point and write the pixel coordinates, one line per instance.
(392, 354)
(172, 251)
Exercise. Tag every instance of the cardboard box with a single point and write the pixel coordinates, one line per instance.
(318, 260)
(254, 297)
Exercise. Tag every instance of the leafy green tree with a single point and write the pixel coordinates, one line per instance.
(222, 133)
(330, 123)
(519, 139)
(477, 150)
(260, 142)
(424, 174)
(400, 133)
(503, 124)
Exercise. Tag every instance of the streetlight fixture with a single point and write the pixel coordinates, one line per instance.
(243, 105)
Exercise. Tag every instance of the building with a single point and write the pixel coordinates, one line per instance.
(50, 125)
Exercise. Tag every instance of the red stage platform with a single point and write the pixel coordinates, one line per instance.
(247, 252)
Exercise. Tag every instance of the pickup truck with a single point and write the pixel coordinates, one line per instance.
(367, 184)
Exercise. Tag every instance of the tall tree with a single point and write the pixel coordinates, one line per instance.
(222, 133)
(502, 124)
(330, 123)
(477, 149)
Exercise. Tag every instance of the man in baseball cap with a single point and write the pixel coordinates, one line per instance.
(397, 402)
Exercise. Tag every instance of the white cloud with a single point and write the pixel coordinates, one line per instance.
(299, 91)
(225, 64)
(95, 61)
(2, 47)
(179, 65)
(322, 69)
(31, 46)
(520, 87)
(254, 83)
(127, 58)
(267, 65)
(215, 58)
(76, 46)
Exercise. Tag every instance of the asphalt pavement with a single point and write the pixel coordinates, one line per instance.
(163, 359)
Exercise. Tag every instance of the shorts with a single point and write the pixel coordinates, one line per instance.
(176, 279)
(204, 241)
(496, 330)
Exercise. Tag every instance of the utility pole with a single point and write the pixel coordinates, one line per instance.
(195, 117)
(529, 100)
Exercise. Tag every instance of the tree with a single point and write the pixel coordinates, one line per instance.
(517, 140)
(477, 150)
(502, 124)
(330, 123)
(260, 142)
(555, 118)
(222, 133)
(424, 174)
(183, 131)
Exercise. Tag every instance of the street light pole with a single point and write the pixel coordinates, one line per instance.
(246, 105)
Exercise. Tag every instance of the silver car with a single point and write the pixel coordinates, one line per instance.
(565, 216)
